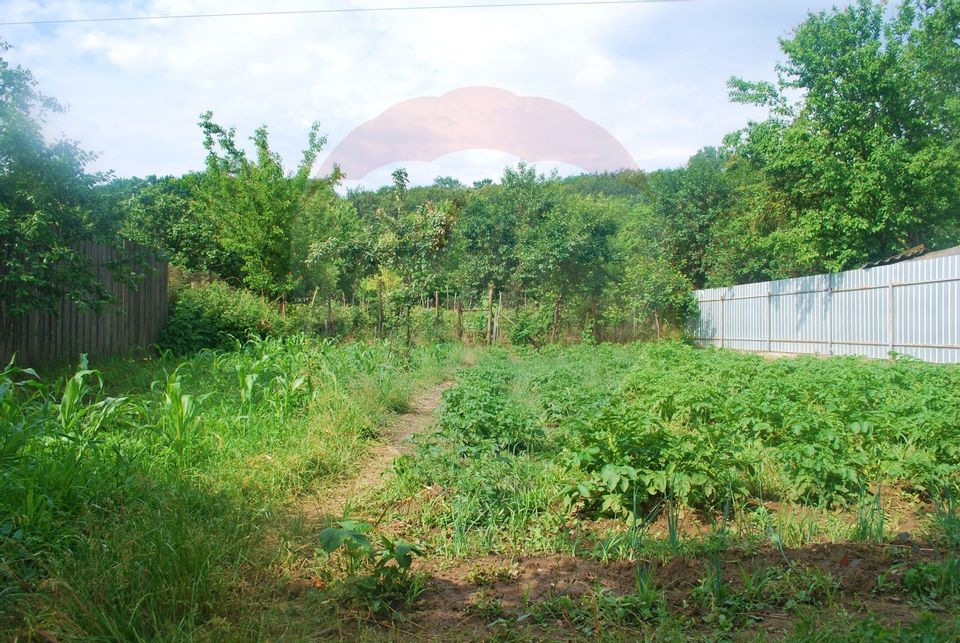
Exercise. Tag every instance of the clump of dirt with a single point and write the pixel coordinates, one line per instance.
(510, 586)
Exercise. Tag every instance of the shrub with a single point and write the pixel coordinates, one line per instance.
(530, 326)
(211, 315)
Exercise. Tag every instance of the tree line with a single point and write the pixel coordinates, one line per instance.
(857, 159)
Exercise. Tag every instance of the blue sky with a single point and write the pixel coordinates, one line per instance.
(653, 75)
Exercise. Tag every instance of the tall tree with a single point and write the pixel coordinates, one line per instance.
(689, 201)
(865, 162)
(166, 213)
(257, 204)
(411, 244)
(47, 205)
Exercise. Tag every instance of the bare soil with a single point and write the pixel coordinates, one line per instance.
(447, 610)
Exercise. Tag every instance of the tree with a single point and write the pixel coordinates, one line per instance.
(689, 201)
(646, 287)
(566, 254)
(166, 213)
(484, 243)
(329, 244)
(256, 205)
(411, 243)
(47, 206)
(865, 162)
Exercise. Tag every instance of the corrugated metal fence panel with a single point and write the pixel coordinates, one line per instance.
(133, 323)
(911, 308)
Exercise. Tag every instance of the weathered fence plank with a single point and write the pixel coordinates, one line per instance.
(132, 324)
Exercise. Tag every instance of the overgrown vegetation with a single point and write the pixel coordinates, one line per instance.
(136, 498)
(643, 453)
(593, 490)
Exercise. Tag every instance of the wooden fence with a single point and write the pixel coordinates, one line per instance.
(132, 324)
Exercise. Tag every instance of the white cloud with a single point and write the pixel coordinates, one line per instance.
(651, 74)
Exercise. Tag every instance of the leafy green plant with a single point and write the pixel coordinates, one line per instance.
(479, 412)
(529, 326)
(375, 571)
(81, 420)
(181, 415)
(934, 582)
(214, 315)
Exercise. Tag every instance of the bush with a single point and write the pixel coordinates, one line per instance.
(211, 315)
(530, 326)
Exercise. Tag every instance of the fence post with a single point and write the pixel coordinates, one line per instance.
(721, 319)
(458, 307)
(828, 318)
(829, 321)
(490, 314)
(769, 324)
(496, 319)
(890, 318)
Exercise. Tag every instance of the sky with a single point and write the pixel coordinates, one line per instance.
(652, 75)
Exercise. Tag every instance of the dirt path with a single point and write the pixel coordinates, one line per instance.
(395, 442)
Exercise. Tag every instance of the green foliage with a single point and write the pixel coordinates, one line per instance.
(479, 413)
(48, 206)
(214, 315)
(688, 202)
(599, 609)
(763, 588)
(851, 629)
(134, 498)
(646, 429)
(257, 207)
(701, 424)
(934, 582)
(864, 163)
(529, 326)
(491, 502)
(167, 214)
(374, 572)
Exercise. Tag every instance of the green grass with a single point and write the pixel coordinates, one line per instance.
(157, 499)
(144, 499)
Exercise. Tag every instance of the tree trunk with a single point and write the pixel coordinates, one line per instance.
(408, 327)
(556, 318)
(596, 321)
(496, 320)
(458, 306)
(329, 315)
(379, 308)
(490, 314)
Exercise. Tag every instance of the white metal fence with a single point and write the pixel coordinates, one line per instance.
(911, 308)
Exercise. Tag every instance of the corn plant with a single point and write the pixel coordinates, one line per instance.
(181, 415)
(79, 420)
(16, 426)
